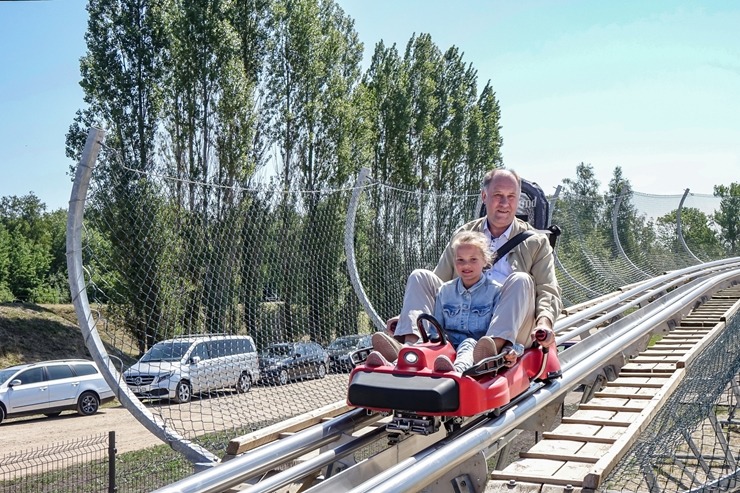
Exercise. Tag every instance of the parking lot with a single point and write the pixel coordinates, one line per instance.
(200, 416)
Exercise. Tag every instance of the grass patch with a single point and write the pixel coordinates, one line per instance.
(139, 471)
(32, 333)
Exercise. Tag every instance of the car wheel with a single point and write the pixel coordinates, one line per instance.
(88, 404)
(283, 378)
(244, 383)
(2, 413)
(322, 370)
(183, 392)
(52, 415)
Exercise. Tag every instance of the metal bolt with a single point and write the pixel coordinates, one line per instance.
(511, 484)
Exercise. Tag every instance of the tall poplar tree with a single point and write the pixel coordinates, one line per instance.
(122, 77)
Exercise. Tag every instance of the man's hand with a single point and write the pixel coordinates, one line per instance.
(544, 336)
(390, 325)
(510, 356)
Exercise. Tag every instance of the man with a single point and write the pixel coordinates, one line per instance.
(530, 294)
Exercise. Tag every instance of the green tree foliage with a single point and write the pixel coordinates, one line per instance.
(579, 211)
(5, 293)
(728, 216)
(699, 237)
(583, 204)
(122, 77)
(32, 251)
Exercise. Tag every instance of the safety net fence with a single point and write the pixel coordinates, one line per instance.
(226, 309)
(691, 444)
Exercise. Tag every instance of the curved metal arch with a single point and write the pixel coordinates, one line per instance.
(615, 214)
(679, 229)
(349, 249)
(88, 323)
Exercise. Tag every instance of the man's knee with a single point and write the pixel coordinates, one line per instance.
(424, 278)
(419, 274)
(519, 281)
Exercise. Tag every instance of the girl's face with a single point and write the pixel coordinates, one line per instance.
(469, 264)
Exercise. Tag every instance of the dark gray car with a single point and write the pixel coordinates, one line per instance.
(286, 361)
(342, 347)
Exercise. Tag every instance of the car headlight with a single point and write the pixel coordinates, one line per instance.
(163, 376)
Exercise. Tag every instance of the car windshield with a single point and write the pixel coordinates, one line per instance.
(343, 343)
(279, 350)
(166, 351)
(6, 374)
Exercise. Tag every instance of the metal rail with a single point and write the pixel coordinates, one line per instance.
(667, 298)
(433, 463)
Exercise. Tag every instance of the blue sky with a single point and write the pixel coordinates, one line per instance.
(651, 86)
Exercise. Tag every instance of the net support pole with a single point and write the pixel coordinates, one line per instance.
(617, 242)
(349, 249)
(679, 229)
(87, 322)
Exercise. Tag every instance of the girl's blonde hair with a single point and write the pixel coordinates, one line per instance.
(477, 239)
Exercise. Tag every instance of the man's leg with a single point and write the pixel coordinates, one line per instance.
(513, 317)
(421, 290)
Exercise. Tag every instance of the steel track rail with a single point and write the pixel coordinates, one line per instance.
(671, 296)
(431, 464)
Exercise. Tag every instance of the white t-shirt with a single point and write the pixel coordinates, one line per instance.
(502, 268)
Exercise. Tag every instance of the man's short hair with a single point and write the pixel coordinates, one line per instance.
(488, 177)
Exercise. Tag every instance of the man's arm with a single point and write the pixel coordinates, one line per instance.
(548, 302)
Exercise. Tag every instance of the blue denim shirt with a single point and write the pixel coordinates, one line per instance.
(464, 312)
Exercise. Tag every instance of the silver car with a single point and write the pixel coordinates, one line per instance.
(181, 367)
(50, 387)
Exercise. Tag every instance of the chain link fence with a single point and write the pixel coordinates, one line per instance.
(90, 465)
(221, 306)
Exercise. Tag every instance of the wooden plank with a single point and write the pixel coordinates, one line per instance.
(241, 444)
(621, 446)
(564, 457)
(649, 368)
(543, 471)
(648, 379)
(602, 407)
(623, 404)
(596, 422)
(625, 382)
(556, 435)
(667, 360)
(616, 393)
(731, 311)
(507, 487)
(706, 341)
(549, 488)
(657, 376)
(567, 450)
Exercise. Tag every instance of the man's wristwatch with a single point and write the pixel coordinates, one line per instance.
(518, 349)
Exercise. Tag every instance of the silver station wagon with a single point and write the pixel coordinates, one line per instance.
(50, 387)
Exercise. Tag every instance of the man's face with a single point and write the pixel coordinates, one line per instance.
(501, 199)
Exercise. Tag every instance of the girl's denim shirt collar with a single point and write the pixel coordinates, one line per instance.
(460, 288)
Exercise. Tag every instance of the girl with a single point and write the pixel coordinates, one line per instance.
(464, 306)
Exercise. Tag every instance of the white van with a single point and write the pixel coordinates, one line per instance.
(178, 368)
